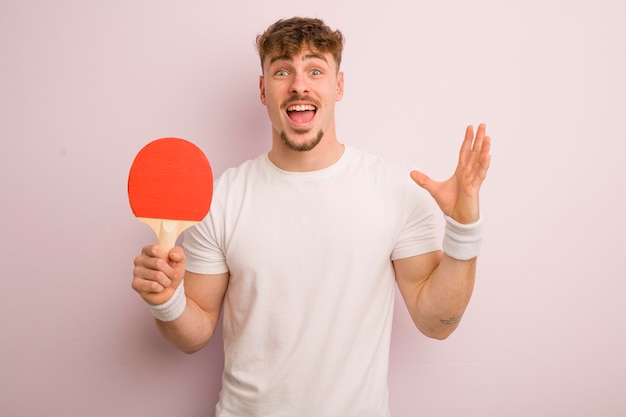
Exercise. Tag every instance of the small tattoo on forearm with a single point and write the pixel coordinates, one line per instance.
(452, 320)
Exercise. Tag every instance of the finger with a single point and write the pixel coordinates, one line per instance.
(154, 251)
(153, 263)
(484, 159)
(472, 146)
(144, 287)
(419, 178)
(177, 255)
(479, 139)
(466, 146)
(149, 280)
(482, 163)
(485, 147)
(160, 277)
(473, 157)
(425, 182)
(151, 268)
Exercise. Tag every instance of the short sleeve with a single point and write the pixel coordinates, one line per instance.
(204, 248)
(417, 232)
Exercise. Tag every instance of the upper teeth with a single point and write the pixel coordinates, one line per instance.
(301, 107)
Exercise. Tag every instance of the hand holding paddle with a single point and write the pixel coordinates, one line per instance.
(170, 187)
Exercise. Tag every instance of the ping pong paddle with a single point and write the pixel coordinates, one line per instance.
(170, 187)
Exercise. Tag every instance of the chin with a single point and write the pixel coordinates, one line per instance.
(304, 146)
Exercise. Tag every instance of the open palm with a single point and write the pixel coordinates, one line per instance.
(458, 196)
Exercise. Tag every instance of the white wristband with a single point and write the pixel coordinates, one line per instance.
(172, 308)
(462, 241)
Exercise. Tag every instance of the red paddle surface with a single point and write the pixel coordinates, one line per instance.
(170, 178)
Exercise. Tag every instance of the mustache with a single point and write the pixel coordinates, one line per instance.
(296, 99)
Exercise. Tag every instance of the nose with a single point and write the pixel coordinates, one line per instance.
(299, 84)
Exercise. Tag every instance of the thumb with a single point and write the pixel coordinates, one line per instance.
(177, 255)
(177, 261)
(423, 180)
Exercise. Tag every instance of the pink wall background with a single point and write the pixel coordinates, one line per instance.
(84, 84)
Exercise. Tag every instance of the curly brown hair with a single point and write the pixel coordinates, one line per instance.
(288, 37)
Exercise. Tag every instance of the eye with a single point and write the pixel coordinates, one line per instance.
(316, 72)
(281, 73)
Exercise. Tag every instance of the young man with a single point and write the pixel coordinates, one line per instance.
(303, 247)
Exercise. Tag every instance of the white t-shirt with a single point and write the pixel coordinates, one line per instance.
(308, 310)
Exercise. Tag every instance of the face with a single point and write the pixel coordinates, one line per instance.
(300, 94)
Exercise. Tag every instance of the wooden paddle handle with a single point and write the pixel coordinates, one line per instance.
(167, 231)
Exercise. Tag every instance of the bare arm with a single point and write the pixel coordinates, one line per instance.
(436, 290)
(195, 327)
(436, 287)
(156, 277)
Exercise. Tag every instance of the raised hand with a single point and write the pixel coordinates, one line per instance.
(458, 196)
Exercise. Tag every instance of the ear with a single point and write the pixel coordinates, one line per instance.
(262, 89)
(339, 94)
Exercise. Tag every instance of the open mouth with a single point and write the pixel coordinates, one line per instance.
(301, 113)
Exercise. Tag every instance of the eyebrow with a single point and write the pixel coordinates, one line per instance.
(290, 58)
